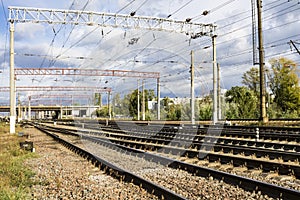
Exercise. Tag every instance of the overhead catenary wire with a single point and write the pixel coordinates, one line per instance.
(92, 31)
(270, 8)
(124, 7)
(247, 26)
(272, 16)
(140, 6)
(206, 12)
(6, 36)
(233, 55)
(144, 54)
(250, 60)
(180, 8)
(3, 8)
(72, 29)
(175, 12)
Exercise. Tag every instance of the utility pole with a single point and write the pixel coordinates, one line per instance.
(138, 100)
(61, 111)
(215, 74)
(108, 104)
(219, 93)
(254, 31)
(12, 119)
(263, 112)
(143, 101)
(19, 108)
(100, 99)
(192, 88)
(158, 99)
(29, 109)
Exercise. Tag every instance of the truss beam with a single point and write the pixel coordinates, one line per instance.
(79, 17)
(62, 96)
(58, 16)
(56, 88)
(84, 72)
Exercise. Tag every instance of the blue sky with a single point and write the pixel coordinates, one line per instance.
(167, 53)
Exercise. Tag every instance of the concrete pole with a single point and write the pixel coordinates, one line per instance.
(138, 100)
(158, 99)
(219, 93)
(61, 111)
(25, 112)
(192, 89)
(100, 100)
(29, 108)
(73, 109)
(108, 104)
(215, 74)
(12, 118)
(143, 101)
(263, 111)
(19, 109)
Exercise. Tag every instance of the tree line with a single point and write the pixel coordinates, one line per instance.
(239, 102)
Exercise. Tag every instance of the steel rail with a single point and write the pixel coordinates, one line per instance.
(261, 149)
(115, 171)
(196, 142)
(242, 182)
(200, 151)
(236, 160)
(185, 135)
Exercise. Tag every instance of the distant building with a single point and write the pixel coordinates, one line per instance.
(152, 105)
(184, 100)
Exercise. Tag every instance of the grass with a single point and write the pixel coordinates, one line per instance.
(15, 178)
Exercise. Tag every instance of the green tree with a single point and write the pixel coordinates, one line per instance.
(242, 103)
(251, 79)
(284, 84)
(98, 99)
(117, 104)
(166, 101)
(133, 102)
(205, 108)
(124, 108)
(174, 112)
(102, 112)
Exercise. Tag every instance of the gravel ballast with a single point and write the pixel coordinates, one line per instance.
(61, 174)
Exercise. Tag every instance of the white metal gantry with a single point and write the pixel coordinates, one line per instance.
(88, 18)
(78, 17)
(85, 72)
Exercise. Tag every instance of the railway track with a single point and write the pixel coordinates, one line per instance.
(115, 171)
(110, 139)
(266, 155)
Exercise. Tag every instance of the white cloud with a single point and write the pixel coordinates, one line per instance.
(111, 49)
(29, 31)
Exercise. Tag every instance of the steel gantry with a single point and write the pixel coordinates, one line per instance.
(47, 96)
(56, 88)
(85, 72)
(92, 72)
(88, 18)
(79, 17)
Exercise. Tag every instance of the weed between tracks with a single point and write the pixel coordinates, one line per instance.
(15, 178)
